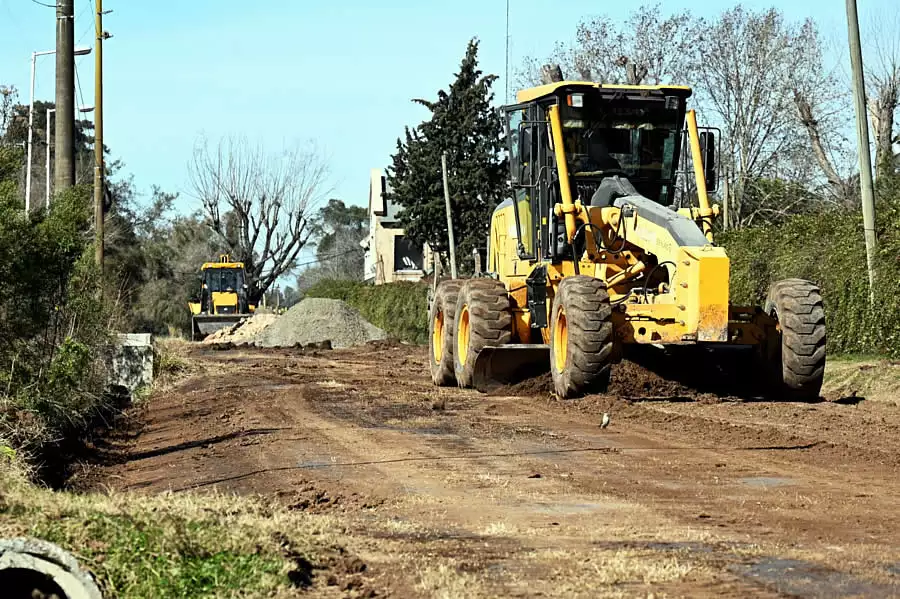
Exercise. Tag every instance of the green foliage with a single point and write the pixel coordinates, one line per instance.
(828, 248)
(52, 321)
(399, 308)
(465, 125)
(338, 231)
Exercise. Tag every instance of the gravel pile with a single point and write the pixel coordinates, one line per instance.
(315, 320)
(243, 332)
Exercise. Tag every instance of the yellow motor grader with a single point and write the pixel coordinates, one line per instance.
(590, 254)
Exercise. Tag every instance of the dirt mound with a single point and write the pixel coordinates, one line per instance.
(633, 380)
(243, 332)
(318, 319)
(628, 380)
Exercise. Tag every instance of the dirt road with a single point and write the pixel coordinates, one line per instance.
(450, 493)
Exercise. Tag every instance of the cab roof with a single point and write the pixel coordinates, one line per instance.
(541, 91)
(225, 265)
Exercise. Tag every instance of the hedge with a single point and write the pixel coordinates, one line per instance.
(829, 249)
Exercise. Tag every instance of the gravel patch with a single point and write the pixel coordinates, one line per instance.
(315, 320)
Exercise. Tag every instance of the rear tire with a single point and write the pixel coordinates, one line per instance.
(796, 361)
(483, 318)
(581, 337)
(440, 333)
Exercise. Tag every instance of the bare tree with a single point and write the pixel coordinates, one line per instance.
(647, 48)
(747, 64)
(822, 103)
(883, 83)
(259, 203)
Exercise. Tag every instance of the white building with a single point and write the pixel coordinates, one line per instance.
(389, 255)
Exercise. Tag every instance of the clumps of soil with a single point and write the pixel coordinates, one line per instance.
(315, 320)
(313, 500)
(632, 380)
(539, 386)
(628, 380)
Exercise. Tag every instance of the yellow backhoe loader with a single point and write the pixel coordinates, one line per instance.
(223, 297)
(591, 255)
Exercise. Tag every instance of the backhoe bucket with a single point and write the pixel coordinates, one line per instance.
(509, 364)
(206, 324)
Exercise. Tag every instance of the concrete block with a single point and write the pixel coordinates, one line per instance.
(131, 361)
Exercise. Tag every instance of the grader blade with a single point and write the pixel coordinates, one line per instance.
(509, 364)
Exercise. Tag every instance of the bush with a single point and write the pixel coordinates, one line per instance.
(829, 249)
(401, 309)
(52, 323)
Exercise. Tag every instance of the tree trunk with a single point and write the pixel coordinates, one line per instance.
(881, 111)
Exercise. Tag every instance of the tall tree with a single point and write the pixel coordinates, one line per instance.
(337, 234)
(748, 66)
(883, 83)
(464, 125)
(259, 204)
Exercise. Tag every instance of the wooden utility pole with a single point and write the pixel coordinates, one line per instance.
(449, 218)
(867, 193)
(98, 138)
(64, 176)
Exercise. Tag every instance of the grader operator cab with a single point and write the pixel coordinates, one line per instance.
(224, 297)
(591, 254)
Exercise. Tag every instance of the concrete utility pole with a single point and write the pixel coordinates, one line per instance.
(64, 175)
(449, 218)
(98, 139)
(867, 192)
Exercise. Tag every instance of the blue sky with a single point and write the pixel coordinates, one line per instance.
(279, 72)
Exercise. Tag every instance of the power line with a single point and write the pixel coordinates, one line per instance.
(328, 257)
(42, 4)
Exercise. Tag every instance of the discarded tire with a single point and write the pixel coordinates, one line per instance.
(34, 568)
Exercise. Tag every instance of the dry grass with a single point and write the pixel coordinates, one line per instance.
(168, 545)
(874, 379)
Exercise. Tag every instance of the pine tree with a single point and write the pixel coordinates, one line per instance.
(464, 125)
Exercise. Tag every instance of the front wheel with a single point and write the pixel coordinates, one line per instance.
(796, 356)
(581, 337)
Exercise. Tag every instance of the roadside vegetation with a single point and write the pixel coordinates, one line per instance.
(176, 546)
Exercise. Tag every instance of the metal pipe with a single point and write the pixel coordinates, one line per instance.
(30, 138)
(700, 175)
(565, 189)
(451, 240)
(47, 159)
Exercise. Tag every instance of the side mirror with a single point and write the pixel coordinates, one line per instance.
(708, 151)
(524, 143)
